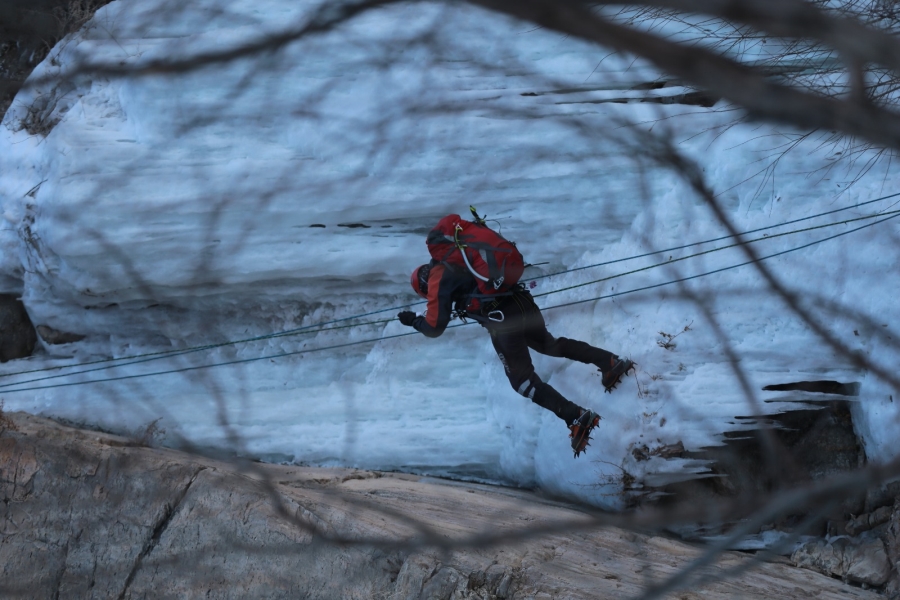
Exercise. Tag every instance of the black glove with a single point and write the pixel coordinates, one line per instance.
(407, 317)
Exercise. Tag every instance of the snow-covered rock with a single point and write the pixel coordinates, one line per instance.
(216, 231)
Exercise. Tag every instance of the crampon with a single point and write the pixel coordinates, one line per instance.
(580, 430)
(611, 378)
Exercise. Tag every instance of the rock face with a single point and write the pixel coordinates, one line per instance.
(813, 444)
(89, 515)
(17, 335)
(864, 561)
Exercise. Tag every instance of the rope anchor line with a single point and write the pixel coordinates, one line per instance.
(111, 363)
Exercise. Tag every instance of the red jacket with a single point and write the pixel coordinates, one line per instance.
(446, 285)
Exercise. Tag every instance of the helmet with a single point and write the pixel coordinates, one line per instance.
(419, 280)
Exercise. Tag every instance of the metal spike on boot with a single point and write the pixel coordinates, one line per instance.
(611, 378)
(580, 430)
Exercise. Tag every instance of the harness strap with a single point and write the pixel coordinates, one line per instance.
(496, 272)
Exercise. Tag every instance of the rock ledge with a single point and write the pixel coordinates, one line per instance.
(91, 515)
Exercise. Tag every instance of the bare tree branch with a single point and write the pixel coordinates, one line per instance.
(751, 89)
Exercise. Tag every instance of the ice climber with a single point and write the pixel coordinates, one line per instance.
(474, 274)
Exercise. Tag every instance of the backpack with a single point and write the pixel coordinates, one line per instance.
(494, 261)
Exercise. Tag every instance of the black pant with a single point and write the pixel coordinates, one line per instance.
(522, 328)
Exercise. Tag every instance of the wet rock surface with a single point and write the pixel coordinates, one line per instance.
(89, 515)
(798, 446)
(859, 538)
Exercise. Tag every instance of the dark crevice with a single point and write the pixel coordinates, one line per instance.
(158, 530)
(822, 387)
(813, 444)
(697, 98)
(61, 574)
(651, 85)
(641, 86)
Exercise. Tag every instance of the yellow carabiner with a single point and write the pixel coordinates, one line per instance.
(456, 236)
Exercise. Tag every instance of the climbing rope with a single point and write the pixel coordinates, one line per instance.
(724, 237)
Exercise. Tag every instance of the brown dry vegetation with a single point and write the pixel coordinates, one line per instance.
(28, 30)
